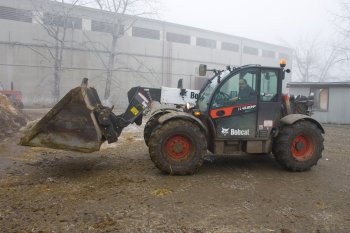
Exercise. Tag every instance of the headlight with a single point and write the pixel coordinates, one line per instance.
(189, 106)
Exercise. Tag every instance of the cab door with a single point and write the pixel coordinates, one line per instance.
(269, 101)
(233, 115)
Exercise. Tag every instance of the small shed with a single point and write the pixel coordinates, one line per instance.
(331, 99)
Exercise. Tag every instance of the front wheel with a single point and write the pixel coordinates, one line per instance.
(150, 126)
(177, 147)
(298, 147)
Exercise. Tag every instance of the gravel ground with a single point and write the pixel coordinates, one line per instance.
(119, 190)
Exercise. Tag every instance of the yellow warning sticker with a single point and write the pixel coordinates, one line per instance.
(134, 111)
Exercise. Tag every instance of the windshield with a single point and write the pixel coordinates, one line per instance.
(205, 94)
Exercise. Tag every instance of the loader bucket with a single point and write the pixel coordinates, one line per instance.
(70, 124)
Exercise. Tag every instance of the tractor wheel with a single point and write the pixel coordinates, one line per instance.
(177, 147)
(150, 126)
(298, 147)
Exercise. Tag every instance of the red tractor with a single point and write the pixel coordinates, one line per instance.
(15, 97)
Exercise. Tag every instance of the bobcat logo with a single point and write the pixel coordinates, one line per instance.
(225, 131)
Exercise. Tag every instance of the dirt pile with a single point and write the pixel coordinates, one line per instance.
(11, 119)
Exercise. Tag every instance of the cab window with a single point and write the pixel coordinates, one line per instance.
(268, 86)
(239, 88)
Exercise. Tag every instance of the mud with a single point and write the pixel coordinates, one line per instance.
(11, 118)
(119, 190)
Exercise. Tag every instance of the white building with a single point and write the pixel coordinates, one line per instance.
(151, 52)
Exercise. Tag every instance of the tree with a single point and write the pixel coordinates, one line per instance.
(305, 59)
(342, 25)
(316, 61)
(57, 21)
(124, 13)
(327, 60)
(336, 65)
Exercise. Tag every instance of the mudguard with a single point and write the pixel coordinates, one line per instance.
(163, 111)
(292, 118)
(182, 115)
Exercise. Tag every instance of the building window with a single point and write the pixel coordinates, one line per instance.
(268, 53)
(251, 50)
(206, 43)
(99, 26)
(178, 38)
(284, 56)
(146, 33)
(230, 46)
(321, 96)
(15, 14)
(62, 21)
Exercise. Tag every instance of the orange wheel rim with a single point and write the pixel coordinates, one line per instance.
(178, 147)
(302, 148)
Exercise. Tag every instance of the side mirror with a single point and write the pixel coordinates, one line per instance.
(287, 71)
(202, 70)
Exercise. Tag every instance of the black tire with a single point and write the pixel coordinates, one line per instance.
(178, 147)
(298, 147)
(150, 126)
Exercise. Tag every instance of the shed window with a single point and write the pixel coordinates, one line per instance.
(321, 96)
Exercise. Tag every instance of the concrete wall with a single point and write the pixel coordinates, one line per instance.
(148, 62)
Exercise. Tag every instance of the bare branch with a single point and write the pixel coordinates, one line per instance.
(95, 50)
(56, 28)
(119, 21)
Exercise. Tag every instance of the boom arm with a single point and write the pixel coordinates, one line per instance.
(80, 122)
(140, 99)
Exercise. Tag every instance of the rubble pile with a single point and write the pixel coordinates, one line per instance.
(11, 119)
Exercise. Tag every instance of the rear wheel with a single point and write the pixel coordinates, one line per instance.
(298, 147)
(177, 147)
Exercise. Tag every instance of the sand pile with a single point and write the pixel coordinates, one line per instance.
(11, 119)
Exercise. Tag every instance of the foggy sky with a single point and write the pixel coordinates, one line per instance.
(280, 22)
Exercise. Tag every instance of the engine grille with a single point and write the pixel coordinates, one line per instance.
(263, 133)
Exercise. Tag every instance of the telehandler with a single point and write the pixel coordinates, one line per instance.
(223, 118)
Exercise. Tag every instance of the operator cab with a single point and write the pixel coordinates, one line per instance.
(242, 104)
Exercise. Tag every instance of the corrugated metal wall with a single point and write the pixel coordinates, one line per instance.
(338, 105)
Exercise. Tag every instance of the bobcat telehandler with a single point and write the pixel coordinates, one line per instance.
(218, 118)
